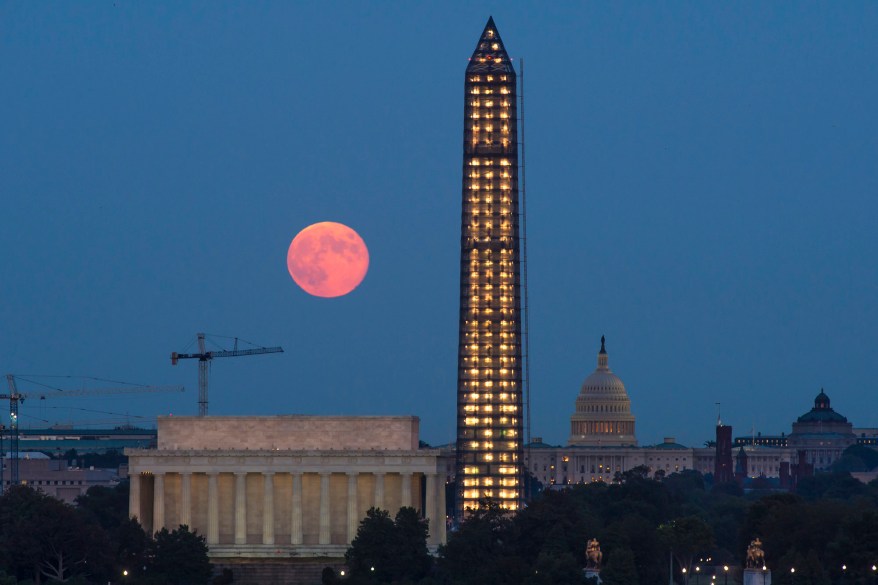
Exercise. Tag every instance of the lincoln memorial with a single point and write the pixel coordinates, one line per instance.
(272, 487)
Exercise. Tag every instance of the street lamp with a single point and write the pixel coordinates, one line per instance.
(684, 575)
(793, 574)
(697, 574)
(726, 569)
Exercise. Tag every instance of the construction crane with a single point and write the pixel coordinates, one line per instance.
(204, 357)
(16, 398)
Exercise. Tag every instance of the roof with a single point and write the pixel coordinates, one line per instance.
(540, 445)
(490, 54)
(822, 411)
(669, 446)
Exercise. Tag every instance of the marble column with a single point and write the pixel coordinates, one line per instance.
(133, 497)
(240, 508)
(440, 508)
(158, 501)
(353, 517)
(379, 490)
(325, 526)
(212, 508)
(268, 508)
(430, 507)
(186, 498)
(296, 520)
(406, 489)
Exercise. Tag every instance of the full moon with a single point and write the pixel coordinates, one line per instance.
(328, 259)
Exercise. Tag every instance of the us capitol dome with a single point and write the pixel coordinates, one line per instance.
(603, 410)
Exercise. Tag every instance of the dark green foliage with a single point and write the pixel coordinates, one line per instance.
(856, 458)
(107, 506)
(389, 551)
(839, 486)
(227, 577)
(328, 575)
(545, 542)
(180, 558)
(620, 569)
(130, 546)
(729, 488)
(46, 540)
(413, 559)
(42, 538)
(686, 537)
(685, 486)
(482, 550)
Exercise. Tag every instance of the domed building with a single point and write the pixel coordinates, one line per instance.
(822, 433)
(603, 410)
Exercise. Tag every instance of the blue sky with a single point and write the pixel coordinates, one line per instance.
(701, 189)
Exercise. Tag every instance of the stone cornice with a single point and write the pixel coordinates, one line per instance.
(170, 461)
(279, 453)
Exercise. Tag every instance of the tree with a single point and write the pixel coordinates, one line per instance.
(839, 486)
(729, 488)
(328, 576)
(620, 569)
(369, 556)
(130, 544)
(41, 536)
(856, 458)
(180, 557)
(389, 551)
(108, 506)
(413, 559)
(480, 550)
(686, 537)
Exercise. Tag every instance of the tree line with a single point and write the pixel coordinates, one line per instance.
(827, 531)
(45, 540)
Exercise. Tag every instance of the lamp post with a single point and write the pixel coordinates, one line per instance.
(793, 574)
(697, 574)
(684, 576)
(726, 570)
(764, 568)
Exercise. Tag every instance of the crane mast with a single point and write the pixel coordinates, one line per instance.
(16, 398)
(204, 358)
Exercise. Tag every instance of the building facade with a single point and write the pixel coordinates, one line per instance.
(489, 386)
(602, 443)
(283, 486)
(822, 434)
(603, 410)
(57, 477)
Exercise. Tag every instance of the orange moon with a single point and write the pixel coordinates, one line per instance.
(328, 259)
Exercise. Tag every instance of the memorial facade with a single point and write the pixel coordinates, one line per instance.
(283, 486)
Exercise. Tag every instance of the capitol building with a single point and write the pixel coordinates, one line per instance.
(603, 410)
(603, 442)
